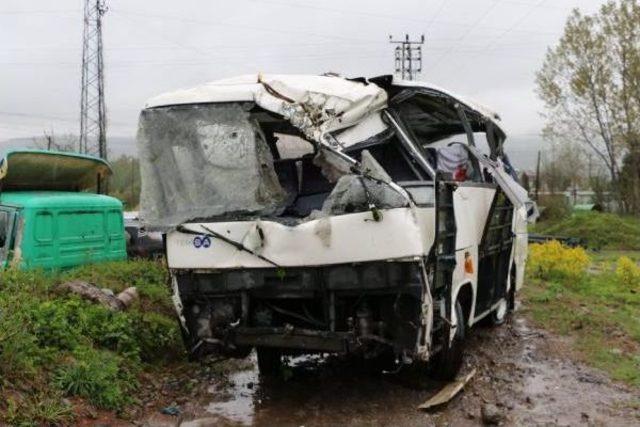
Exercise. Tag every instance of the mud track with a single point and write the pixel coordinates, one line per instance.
(524, 377)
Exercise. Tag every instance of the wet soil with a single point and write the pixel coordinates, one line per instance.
(525, 376)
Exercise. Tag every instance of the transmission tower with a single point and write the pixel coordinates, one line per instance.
(93, 126)
(408, 57)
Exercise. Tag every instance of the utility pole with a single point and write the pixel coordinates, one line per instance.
(408, 57)
(49, 138)
(93, 126)
(538, 176)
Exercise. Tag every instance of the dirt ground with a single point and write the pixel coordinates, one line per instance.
(524, 377)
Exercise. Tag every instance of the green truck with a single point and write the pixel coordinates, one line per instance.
(52, 215)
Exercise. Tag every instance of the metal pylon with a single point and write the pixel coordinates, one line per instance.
(93, 126)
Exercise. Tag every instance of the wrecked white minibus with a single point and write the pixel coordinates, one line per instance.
(322, 214)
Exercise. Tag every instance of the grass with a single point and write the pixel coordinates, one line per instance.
(56, 348)
(598, 310)
(604, 231)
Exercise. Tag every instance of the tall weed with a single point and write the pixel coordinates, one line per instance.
(552, 260)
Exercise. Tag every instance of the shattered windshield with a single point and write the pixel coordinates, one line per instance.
(204, 161)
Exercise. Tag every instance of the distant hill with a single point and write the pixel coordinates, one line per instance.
(117, 145)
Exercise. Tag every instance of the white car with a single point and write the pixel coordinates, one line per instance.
(323, 214)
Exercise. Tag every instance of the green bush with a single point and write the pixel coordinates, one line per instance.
(51, 324)
(628, 274)
(599, 230)
(98, 376)
(158, 337)
(554, 207)
(45, 409)
(53, 343)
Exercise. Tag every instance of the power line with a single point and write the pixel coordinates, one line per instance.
(38, 116)
(36, 12)
(516, 23)
(436, 14)
(469, 30)
(403, 18)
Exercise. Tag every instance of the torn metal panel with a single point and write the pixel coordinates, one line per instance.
(354, 193)
(448, 392)
(514, 191)
(318, 105)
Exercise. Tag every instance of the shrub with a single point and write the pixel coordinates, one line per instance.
(158, 337)
(628, 273)
(599, 230)
(96, 375)
(553, 260)
(43, 408)
(51, 324)
(53, 343)
(554, 207)
(20, 353)
(110, 330)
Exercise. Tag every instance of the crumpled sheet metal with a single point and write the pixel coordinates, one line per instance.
(317, 105)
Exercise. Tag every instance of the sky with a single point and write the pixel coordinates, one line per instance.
(487, 50)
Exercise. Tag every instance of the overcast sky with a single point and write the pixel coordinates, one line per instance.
(488, 50)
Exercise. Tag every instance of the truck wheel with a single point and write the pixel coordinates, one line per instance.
(448, 361)
(269, 361)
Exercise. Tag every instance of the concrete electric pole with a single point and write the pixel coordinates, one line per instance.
(408, 57)
(93, 126)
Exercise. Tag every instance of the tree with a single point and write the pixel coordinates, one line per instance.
(125, 181)
(66, 142)
(590, 84)
(564, 168)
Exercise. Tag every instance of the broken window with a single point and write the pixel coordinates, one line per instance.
(237, 161)
(439, 127)
(205, 161)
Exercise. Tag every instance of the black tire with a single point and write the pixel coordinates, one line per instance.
(447, 363)
(382, 362)
(269, 361)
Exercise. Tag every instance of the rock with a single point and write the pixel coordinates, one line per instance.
(108, 291)
(102, 296)
(491, 415)
(128, 296)
(202, 422)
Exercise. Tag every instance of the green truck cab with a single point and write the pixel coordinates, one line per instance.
(51, 213)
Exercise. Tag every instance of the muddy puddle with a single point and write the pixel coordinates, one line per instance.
(523, 378)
